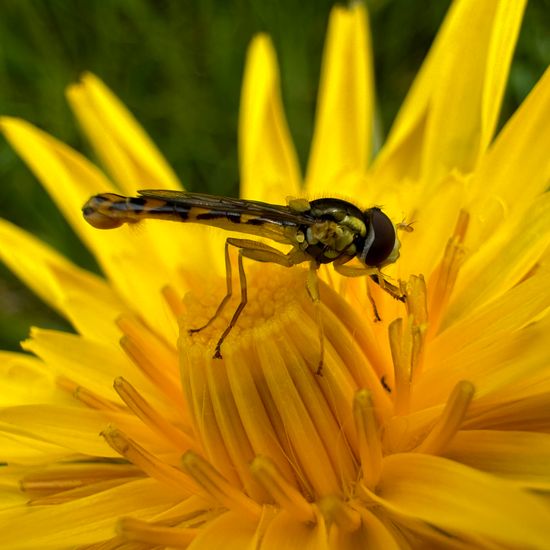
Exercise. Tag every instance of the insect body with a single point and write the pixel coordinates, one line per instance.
(320, 231)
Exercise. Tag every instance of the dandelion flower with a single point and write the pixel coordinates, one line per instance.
(429, 428)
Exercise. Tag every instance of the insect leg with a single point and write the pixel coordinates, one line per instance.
(255, 251)
(240, 307)
(375, 274)
(229, 286)
(312, 286)
(263, 253)
(393, 290)
(377, 317)
(352, 271)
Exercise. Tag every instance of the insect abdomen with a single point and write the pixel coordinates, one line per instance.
(109, 210)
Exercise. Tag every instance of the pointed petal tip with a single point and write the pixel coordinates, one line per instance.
(73, 89)
(341, 142)
(261, 53)
(85, 79)
(88, 79)
(268, 162)
(260, 40)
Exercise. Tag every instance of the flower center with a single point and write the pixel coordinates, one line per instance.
(271, 292)
(264, 398)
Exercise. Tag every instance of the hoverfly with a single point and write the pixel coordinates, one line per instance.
(320, 231)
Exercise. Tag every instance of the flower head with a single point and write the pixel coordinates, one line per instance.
(429, 426)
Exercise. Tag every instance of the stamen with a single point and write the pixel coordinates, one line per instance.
(325, 401)
(349, 321)
(156, 535)
(218, 487)
(75, 481)
(142, 347)
(407, 341)
(89, 398)
(174, 301)
(74, 476)
(37, 486)
(370, 450)
(69, 495)
(150, 416)
(282, 492)
(322, 466)
(450, 420)
(336, 510)
(417, 307)
(149, 463)
(349, 366)
(401, 350)
(152, 345)
(445, 274)
(233, 434)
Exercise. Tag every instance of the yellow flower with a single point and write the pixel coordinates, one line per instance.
(427, 429)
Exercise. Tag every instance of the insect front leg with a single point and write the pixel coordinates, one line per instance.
(393, 290)
(375, 274)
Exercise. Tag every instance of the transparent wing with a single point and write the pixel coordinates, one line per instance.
(275, 222)
(215, 203)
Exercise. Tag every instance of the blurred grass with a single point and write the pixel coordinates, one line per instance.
(178, 66)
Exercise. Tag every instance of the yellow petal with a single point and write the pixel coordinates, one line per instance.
(25, 450)
(521, 457)
(129, 259)
(506, 410)
(461, 500)
(453, 105)
(83, 521)
(126, 150)
(344, 121)
(25, 380)
(67, 176)
(491, 363)
(230, 531)
(32, 261)
(472, 73)
(90, 315)
(285, 532)
(124, 147)
(80, 296)
(10, 487)
(511, 312)
(422, 249)
(507, 256)
(516, 168)
(134, 163)
(268, 162)
(74, 428)
(371, 534)
(89, 364)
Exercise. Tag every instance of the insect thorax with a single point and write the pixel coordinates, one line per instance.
(338, 232)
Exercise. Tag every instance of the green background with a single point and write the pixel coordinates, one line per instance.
(178, 66)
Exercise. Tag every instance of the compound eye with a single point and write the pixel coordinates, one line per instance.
(384, 236)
